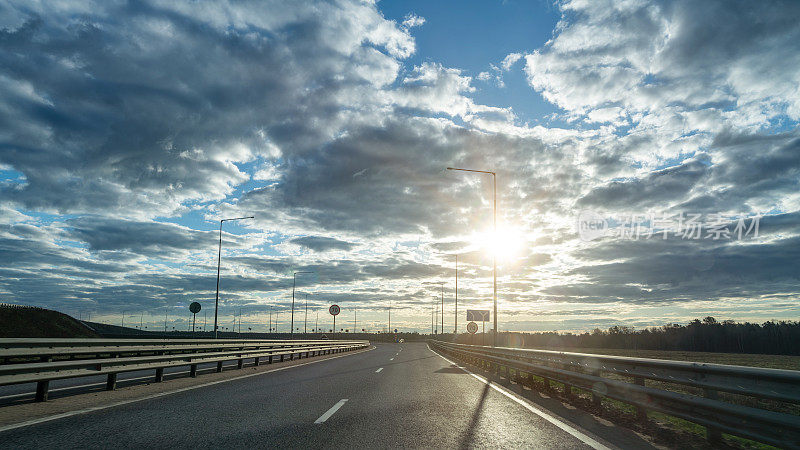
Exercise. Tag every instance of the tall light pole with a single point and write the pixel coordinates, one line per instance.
(455, 326)
(442, 284)
(433, 319)
(305, 322)
(494, 251)
(294, 284)
(270, 318)
(436, 330)
(219, 261)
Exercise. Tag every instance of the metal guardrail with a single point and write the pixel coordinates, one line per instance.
(24, 360)
(585, 371)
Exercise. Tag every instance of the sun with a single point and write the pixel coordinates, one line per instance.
(506, 244)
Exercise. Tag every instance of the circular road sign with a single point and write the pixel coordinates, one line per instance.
(472, 327)
(334, 310)
(194, 307)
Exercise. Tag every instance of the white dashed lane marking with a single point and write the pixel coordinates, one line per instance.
(331, 411)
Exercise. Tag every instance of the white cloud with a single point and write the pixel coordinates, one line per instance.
(510, 60)
(413, 20)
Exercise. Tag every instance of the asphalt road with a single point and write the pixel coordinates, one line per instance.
(397, 395)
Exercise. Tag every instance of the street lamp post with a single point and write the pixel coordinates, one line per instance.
(436, 329)
(455, 326)
(433, 319)
(219, 261)
(294, 284)
(442, 284)
(494, 253)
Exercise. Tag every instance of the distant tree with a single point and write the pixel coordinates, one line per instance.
(706, 335)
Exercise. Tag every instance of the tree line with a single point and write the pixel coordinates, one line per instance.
(707, 335)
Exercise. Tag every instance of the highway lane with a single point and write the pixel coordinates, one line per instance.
(397, 395)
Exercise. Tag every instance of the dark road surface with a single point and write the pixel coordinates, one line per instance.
(395, 396)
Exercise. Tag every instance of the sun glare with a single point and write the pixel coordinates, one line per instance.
(505, 244)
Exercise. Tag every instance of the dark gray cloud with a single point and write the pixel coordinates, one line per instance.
(146, 238)
(322, 244)
(657, 189)
(139, 107)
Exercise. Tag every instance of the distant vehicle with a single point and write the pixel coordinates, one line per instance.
(324, 336)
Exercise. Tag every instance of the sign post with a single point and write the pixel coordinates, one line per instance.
(334, 310)
(472, 328)
(194, 308)
(479, 315)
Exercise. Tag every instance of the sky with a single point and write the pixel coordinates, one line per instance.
(646, 152)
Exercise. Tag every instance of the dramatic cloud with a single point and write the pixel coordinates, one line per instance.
(321, 244)
(127, 130)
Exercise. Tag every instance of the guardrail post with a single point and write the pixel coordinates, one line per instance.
(596, 399)
(193, 371)
(159, 375)
(239, 363)
(41, 390)
(269, 361)
(567, 390)
(713, 434)
(282, 357)
(641, 413)
(111, 382)
(256, 361)
(219, 366)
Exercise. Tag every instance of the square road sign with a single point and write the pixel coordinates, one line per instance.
(477, 315)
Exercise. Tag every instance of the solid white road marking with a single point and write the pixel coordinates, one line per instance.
(527, 405)
(379, 370)
(391, 359)
(331, 411)
(162, 394)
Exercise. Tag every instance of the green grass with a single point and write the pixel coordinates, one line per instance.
(40, 323)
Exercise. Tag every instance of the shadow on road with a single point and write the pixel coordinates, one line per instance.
(469, 435)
